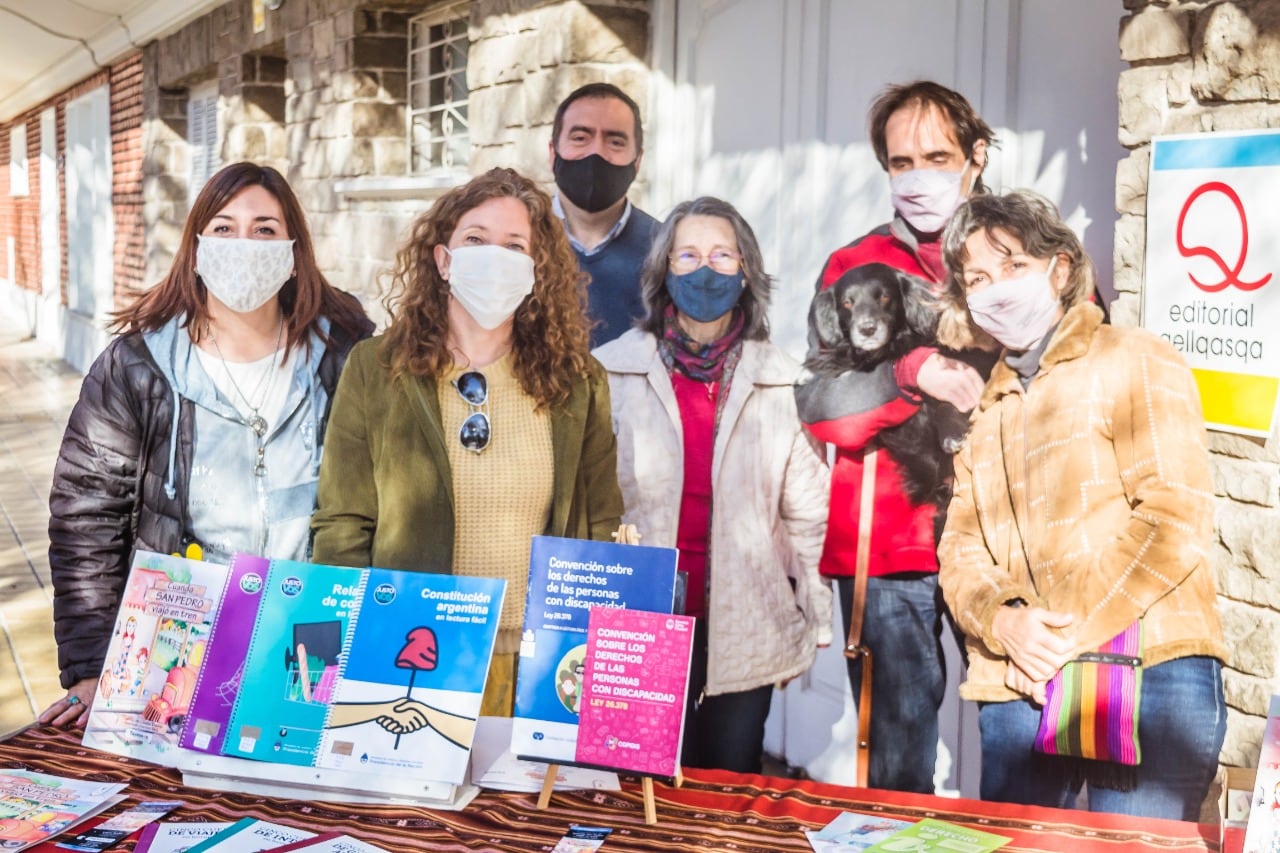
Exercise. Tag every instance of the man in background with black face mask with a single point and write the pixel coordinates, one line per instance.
(596, 146)
(934, 147)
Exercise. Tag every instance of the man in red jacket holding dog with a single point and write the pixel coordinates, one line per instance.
(934, 147)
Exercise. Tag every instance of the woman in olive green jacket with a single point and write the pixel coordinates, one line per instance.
(479, 420)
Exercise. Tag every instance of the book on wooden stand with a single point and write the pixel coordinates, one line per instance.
(635, 690)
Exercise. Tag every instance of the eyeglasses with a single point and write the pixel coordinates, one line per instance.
(688, 259)
(473, 388)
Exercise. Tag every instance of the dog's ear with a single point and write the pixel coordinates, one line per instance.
(824, 319)
(919, 305)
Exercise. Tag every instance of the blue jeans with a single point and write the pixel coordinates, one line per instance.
(1182, 719)
(902, 625)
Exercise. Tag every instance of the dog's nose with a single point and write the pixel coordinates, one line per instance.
(866, 327)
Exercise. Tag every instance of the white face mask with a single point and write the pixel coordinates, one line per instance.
(244, 274)
(490, 282)
(1017, 312)
(926, 198)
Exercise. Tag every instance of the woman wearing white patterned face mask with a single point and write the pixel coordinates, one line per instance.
(479, 419)
(199, 429)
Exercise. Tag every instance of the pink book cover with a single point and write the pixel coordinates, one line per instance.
(219, 679)
(636, 675)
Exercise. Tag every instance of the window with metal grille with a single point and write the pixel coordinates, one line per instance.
(203, 139)
(439, 135)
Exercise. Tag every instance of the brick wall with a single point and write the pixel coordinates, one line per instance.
(1196, 67)
(126, 176)
(20, 215)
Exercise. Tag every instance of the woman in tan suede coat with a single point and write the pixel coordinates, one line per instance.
(1082, 503)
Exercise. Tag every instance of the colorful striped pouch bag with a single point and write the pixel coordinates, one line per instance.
(1091, 710)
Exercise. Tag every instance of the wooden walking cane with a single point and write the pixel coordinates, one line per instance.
(854, 648)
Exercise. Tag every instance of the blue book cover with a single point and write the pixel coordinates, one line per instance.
(566, 578)
(408, 696)
(293, 662)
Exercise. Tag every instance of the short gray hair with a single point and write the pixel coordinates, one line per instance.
(754, 300)
(1030, 218)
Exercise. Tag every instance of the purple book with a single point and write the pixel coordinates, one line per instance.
(219, 680)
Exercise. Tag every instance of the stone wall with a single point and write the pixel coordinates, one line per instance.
(321, 94)
(527, 55)
(1204, 66)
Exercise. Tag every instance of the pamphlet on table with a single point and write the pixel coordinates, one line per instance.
(34, 807)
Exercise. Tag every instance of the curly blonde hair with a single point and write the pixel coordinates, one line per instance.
(550, 338)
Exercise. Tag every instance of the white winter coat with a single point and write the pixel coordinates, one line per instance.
(768, 608)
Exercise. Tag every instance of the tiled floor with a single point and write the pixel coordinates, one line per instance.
(37, 391)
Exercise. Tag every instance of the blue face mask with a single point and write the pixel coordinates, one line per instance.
(704, 294)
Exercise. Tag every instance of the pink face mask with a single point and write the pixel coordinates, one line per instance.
(1017, 312)
(926, 198)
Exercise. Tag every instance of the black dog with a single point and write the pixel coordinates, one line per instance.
(867, 319)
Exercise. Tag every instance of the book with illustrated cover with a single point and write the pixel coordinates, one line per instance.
(167, 610)
(219, 679)
(851, 832)
(1262, 832)
(293, 662)
(176, 837)
(938, 836)
(566, 578)
(634, 688)
(34, 807)
(407, 698)
(250, 835)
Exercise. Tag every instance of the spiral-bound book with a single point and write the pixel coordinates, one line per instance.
(293, 662)
(167, 610)
(218, 682)
(408, 698)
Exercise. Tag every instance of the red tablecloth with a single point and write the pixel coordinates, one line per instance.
(713, 811)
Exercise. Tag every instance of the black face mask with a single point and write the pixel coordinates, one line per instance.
(593, 183)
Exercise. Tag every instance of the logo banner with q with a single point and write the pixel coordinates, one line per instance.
(1212, 284)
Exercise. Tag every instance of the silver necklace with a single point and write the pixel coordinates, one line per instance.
(256, 421)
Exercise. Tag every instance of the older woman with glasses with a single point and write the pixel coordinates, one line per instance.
(712, 459)
(479, 419)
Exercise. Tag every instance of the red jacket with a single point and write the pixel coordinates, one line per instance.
(902, 532)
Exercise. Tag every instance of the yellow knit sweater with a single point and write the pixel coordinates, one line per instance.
(502, 495)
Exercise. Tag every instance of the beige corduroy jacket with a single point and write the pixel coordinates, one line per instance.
(1098, 476)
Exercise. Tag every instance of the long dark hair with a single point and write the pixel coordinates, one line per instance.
(549, 337)
(303, 300)
(754, 300)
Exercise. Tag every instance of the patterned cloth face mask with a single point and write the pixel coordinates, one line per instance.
(243, 273)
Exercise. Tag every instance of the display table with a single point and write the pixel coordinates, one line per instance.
(713, 811)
